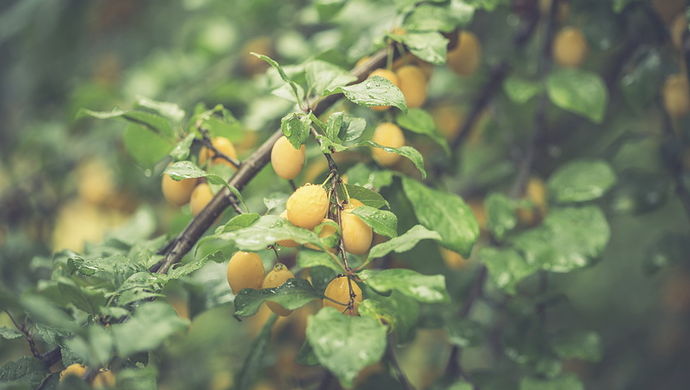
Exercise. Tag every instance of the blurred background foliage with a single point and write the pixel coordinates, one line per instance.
(66, 181)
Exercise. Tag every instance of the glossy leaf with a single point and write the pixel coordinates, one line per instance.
(423, 288)
(381, 221)
(578, 91)
(444, 213)
(150, 325)
(581, 181)
(506, 267)
(427, 46)
(404, 242)
(295, 127)
(345, 344)
(368, 197)
(294, 293)
(421, 122)
(397, 311)
(501, 216)
(374, 91)
(406, 151)
(323, 76)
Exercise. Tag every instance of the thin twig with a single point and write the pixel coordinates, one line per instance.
(217, 154)
(29, 338)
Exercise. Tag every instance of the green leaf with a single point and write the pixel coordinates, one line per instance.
(327, 9)
(581, 181)
(323, 76)
(150, 325)
(145, 146)
(569, 238)
(240, 222)
(84, 298)
(506, 267)
(309, 258)
(257, 353)
(444, 213)
(642, 78)
(428, 17)
(9, 333)
(43, 311)
(295, 127)
(295, 89)
(181, 150)
(294, 293)
(361, 175)
(460, 385)
(342, 132)
(267, 230)
(368, 197)
(26, 372)
(406, 151)
(169, 110)
(138, 379)
(578, 91)
(581, 345)
(184, 170)
(520, 90)
(398, 311)
(345, 344)
(374, 91)
(219, 122)
(421, 122)
(428, 46)
(423, 288)
(564, 382)
(381, 221)
(95, 348)
(144, 120)
(404, 242)
(501, 216)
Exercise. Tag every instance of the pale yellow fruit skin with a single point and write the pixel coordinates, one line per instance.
(387, 134)
(390, 76)
(287, 161)
(286, 243)
(96, 182)
(466, 57)
(326, 231)
(177, 193)
(570, 47)
(676, 95)
(245, 270)
(200, 197)
(448, 119)
(278, 275)
(453, 260)
(307, 206)
(224, 146)
(339, 290)
(413, 85)
(73, 369)
(357, 235)
(104, 379)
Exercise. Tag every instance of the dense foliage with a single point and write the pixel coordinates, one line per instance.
(393, 194)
